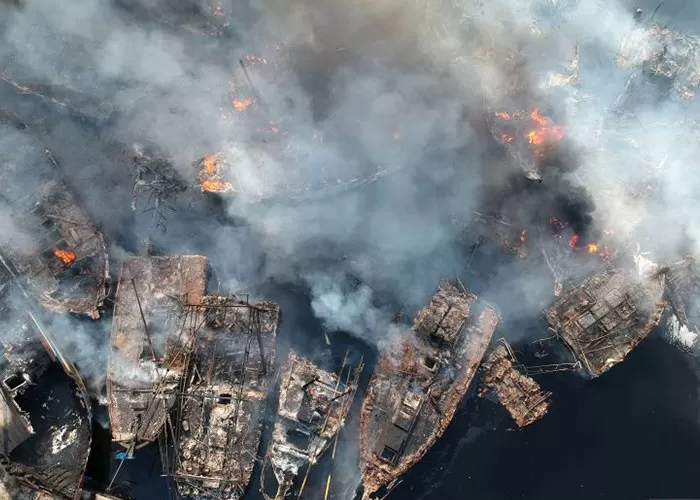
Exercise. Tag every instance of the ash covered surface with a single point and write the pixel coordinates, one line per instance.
(222, 403)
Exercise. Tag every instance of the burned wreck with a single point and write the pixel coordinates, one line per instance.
(313, 405)
(218, 419)
(50, 240)
(507, 380)
(150, 347)
(45, 414)
(417, 387)
(602, 319)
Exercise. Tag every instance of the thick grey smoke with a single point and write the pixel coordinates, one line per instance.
(347, 90)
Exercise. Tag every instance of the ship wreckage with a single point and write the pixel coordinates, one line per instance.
(150, 347)
(50, 241)
(602, 319)
(313, 405)
(45, 413)
(416, 388)
(222, 402)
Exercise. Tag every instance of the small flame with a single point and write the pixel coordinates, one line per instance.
(523, 236)
(592, 247)
(211, 175)
(506, 139)
(573, 240)
(241, 105)
(65, 256)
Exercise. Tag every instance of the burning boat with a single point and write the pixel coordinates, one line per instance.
(663, 55)
(602, 319)
(518, 393)
(416, 389)
(50, 240)
(219, 416)
(683, 287)
(313, 404)
(150, 349)
(45, 415)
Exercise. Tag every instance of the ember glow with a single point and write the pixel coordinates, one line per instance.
(211, 174)
(242, 104)
(65, 256)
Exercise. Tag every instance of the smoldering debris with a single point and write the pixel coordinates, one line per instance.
(299, 143)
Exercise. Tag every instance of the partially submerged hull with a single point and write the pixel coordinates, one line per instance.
(219, 416)
(150, 350)
(45, 415)
(49, 240)
(313, 405)
(602, 319)
(519, 394)
(416, 389)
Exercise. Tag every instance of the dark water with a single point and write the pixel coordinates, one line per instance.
(633, 433)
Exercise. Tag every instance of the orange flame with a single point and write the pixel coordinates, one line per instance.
(211, 175)
(573, 241)
(541, 134)
(65, 256)
(241, 105)
(523, 236)
(592, 247)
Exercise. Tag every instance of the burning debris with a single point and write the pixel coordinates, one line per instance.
(150, 344)
(605, 317)
(519, 394)
(52, 242)
(664, 54)
(219, 419)
(313, 405)
(211, 174)
(415, 390)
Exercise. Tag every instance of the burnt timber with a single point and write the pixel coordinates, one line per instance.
(683, 288)
(665, 54)
(602, 319)
(519, 394)
(218, 421)
(416, 388)
(149, 346)
(313, 405)
(51, 241)
(45, 417)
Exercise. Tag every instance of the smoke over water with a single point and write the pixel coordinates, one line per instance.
(303, 96)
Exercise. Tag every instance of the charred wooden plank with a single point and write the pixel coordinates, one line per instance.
(416, 389)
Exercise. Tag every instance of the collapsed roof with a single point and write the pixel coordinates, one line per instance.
(602, 319)
(219, 416)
